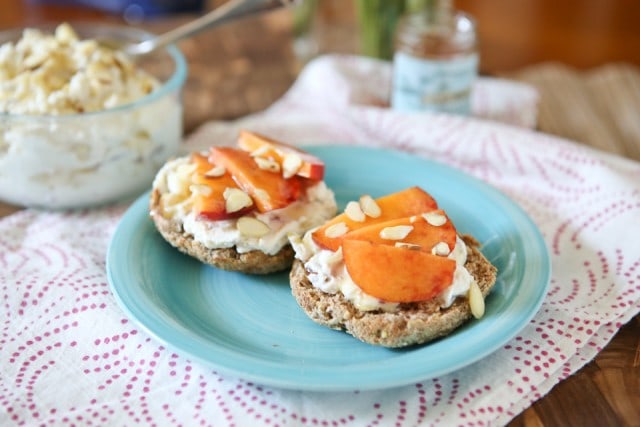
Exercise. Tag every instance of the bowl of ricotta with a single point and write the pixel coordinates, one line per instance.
(82, 124)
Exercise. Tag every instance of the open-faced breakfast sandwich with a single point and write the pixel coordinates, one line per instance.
(391, 271)
(233, 207)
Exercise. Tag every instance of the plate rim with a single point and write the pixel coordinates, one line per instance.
(138, 212)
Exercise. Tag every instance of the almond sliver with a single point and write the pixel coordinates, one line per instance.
(236, 199)
(215, 172)
(353, 212)
(291, 165)
(397, 232)
(336, 230)
(200, 189)
(369, 206)
(252, 227)
(435, 218)
(267, 164)
(441, 249)
(476, 300)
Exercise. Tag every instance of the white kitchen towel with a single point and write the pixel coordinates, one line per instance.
(70, 356)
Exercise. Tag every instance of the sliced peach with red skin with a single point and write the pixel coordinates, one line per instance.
(213, 206)
(396, 274)
(423, 234)
(410, 201)
(269, 190)
(311, 167)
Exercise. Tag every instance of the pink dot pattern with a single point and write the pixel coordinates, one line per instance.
(70, 357)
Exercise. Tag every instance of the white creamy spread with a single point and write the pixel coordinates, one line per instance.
(60, 74)
(327, 272)
(313, 209)
(61, 142)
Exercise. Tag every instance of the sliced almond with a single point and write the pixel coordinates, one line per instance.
(336, 230)
(262, 194)
(353, 212)
(291, 165)
(65, 34)
(236, 199)
(215, 172)
(411, 246)
(398, 232)
(178, 183)
(200, 189)
(476, 300)
(434, 218)
(252, 227)
(441, 249)
(369, 206)
(260, 151)
(172, 199)
(186, 169)
(267, 164)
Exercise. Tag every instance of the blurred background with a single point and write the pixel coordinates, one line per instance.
(513, 34)
(590, 49)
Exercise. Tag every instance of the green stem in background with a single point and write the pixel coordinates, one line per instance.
(303, 14)
(377, 20)
(430, 10)
(413, 6)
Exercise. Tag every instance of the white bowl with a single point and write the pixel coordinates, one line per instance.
(88, 159)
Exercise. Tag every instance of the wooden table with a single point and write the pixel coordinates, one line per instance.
(234, 71)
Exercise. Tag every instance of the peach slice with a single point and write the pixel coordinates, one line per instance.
(411, 201)
(269, 190)
(396, 274)
(291, 159)
(426, 231)
(212, 205)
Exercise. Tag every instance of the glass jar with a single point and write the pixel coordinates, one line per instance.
(436, 61)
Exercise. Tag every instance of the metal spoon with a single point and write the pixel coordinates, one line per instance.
(231, 10)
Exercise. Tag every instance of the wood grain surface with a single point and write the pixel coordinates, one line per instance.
(243, 67)
(581, 33)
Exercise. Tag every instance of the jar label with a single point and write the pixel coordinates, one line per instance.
(433, 85)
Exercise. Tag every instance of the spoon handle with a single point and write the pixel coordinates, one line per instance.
(232, 9)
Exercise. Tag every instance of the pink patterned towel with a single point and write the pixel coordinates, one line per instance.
(70, 356)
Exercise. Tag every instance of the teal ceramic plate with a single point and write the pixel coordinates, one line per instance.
(251, 327)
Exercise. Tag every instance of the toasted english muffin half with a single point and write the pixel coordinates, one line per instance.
(410, 324)
(252, 262)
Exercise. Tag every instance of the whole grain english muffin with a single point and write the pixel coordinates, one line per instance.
(234, 208)
(391, 271)
(409, 324)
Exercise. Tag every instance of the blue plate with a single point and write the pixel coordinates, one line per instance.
(251, 327)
